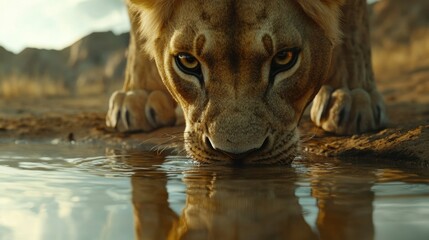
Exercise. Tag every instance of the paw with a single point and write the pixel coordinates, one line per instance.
(347, 112)
(139, 110)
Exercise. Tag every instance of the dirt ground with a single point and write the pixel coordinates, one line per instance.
(76, 120)
(80, 120)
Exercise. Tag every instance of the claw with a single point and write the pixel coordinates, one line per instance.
(378, 115)
(152, 116)
(127, 121)
(341, 117)
(320, 104)
(118, 116)
(113, 115)
(381, 118)
(358, 123)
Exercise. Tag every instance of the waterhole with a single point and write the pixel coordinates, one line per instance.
(93, 192)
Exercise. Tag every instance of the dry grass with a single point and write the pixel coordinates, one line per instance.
(399, 60)
(21, 86)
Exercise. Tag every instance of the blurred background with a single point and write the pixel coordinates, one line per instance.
(62, 48)
(73, 48)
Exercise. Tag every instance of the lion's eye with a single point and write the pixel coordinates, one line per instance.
(187, 61)
(188, 64)
(284, 60)
(283, 57)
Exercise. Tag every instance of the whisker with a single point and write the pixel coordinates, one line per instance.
(305, 139)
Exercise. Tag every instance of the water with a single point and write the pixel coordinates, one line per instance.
(89, 192)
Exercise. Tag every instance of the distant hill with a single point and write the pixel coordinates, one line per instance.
(97, 59)
(4, 54)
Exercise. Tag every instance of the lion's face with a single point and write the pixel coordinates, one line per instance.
(243, 72)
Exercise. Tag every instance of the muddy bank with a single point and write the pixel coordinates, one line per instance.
(73, 121)
(401, 144)
(406, 139)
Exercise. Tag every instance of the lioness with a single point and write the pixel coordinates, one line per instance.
(243, 71)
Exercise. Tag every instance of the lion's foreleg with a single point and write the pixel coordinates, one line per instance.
(144, 103)
(349, 102)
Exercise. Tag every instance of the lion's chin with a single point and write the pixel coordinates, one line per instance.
(247, 162)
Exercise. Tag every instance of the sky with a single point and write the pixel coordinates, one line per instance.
(55, 24)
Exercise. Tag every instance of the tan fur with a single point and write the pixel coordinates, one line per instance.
(155, 17)
(236, 113)
(326, 13)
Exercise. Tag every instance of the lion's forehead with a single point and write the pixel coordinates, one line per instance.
(224, 15)
(243, 26)
(221, 13)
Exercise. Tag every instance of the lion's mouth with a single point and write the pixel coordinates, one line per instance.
(239, 156)
(274, 151)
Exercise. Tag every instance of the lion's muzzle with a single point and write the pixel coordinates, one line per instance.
(237, 134)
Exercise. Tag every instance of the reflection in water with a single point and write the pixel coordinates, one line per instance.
(242, 204)
(345, 203)
(236, 204)
(76, 192)
(233, 205)
(61, 192)
(253, 203)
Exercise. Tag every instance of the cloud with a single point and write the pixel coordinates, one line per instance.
(57, 24)
(98, 8)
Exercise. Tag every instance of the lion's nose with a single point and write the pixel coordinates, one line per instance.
(237, 151)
